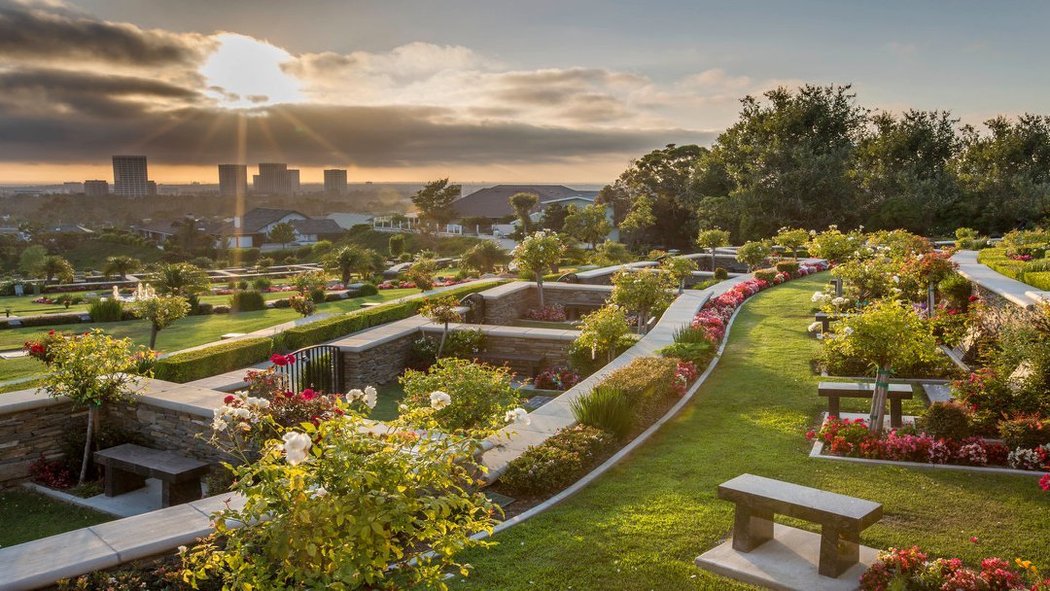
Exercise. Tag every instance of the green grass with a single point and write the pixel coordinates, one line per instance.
(640, 526)
(30, 516)
(388, 399)
(12, 369)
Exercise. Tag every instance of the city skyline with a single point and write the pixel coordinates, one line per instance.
(392, 94)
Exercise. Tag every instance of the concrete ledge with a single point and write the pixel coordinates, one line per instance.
(788, 562)
(32, 398)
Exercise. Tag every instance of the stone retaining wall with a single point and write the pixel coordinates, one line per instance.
(29, 431)
(165, 428)
(553, 344)
(379, 364)
(505, 304)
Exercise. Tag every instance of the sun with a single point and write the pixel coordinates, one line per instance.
(246, 72)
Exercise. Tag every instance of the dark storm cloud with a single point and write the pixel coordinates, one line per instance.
(32, 33)
(316, 135)
(65, 93)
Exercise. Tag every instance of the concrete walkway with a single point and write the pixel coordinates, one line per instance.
(1019, 293)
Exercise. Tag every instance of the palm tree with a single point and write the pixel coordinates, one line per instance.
(523, 204)
(181, 279)
(345, 261)
(55, 266)
(121, 265)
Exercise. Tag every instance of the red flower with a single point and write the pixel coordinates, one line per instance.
(810, 435)
(1044, 482)
(308, 394)
(974, 539)
(229, 399)
(973, 298)
(281, 360)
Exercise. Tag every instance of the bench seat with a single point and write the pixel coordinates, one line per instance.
(531, 362)
(841, 517)
(129, 465)
(833, 391)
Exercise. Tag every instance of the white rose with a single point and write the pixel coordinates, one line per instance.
(439, 400)
(371, 397)
(355, 395)
(815, 327)
(847, 331)
(517, 416)
(218, 424)
(296, 447)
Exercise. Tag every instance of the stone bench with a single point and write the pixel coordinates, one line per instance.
(531, 362)
(129, 465)
(938, 392)
(836, 390)
(826, 319)
(841, 518)
(577, 310)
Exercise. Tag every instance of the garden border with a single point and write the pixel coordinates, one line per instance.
(818, 448)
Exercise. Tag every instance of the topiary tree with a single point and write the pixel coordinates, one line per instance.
(121, 265)
(523, 204)
(90, 369)
(421, 272)
(485, 256)
(537, 254)
(442, 311)
(643, 292)
(712, 239)
(678, 269)
(886, 334)
(302, 304)
(791, 239)
(161, 311)
(344, 261)
(181, 279)
(396, 245)
(753, 253)
(602, 331)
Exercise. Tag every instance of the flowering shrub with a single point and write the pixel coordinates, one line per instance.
(557, 378)
(551, 313)
(480, 395)
(558, 461)
(52, 473)
(911, 570)
(685, 374)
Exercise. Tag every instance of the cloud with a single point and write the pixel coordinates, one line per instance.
(45, 33)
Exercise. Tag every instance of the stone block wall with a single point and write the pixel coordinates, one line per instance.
(511, 341)
(512, 301)
(376, 365)
(164, 428)
(28, 433)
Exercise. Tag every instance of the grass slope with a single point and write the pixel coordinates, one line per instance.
(30, 516)
(641, 525)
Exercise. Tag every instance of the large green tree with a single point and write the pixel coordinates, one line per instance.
(434, 202)
(587, 224)
(522, 203)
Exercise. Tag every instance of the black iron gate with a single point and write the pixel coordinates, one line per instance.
(319, 368)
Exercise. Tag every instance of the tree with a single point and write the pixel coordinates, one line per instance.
(640, 218)
(678, 269)
(602, 331)
(189, 237)
(643, 291)
(32, 259)
(553, 218)
(753, 253)
(536, 255)
(485, 256)
(309, 282)
(442, 311)
(421, 272)
(522, 203)
(835, 246)
(791, 239)
(282, 233)
(886, 333)
(396, 245)
(345, 261)
(712, 239)
(161, 311)
(587, 224)
(54, 266)
(302, 304)
(121, 265)
(611, 253)
(434, 202)
(181, 279)
(89, 369)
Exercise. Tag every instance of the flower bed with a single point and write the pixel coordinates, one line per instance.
(910, 569)
(551, 313)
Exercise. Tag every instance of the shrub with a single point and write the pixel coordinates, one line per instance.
(465, 344)
(50, 319)
(767, 275)
(956, 289)
(337, 326)
(699, 354)
(690, 334)
(606, 408)
(789, 267)
(556, 378)
(721, 274)
(261, 284)
(246, 301)
(367, 289)
(551, 313)
(646, 382)
(213, 360)
(317, 295)
(221, 309)
(1026, 431)
(106, 310)
(558, 461)
(946, 420)
(242, 284)
(204, 308)
(479, 394)
(422, 354)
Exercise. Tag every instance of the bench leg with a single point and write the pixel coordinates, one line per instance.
(119, 481)
(751, 528)
(833, 407)
(839, 550)
(896, 413)
(176, 493)
(825, 324)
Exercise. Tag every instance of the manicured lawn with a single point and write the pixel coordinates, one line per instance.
(12, 369)
(388, 399)
(641, 525)
(29, 516)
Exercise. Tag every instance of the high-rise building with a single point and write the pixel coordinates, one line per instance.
(335, 181)
(130, 178)
(275, 178)
(233, 179)
(72, 188)
(96, 188)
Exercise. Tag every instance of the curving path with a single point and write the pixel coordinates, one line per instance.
(641, 525)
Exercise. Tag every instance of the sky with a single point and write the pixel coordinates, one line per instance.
(484, 91)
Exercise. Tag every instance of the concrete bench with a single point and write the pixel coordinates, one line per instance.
(530, 362)
(836, 390)
(956, 355)
(826, 319)
(938, 392)
(129, 465)
(841, 518)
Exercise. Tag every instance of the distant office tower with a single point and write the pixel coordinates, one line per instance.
(130, 178)
(72, 188)
(275, 178)
(335, 181)
(151, 188)
(233, 179)
(96, 188)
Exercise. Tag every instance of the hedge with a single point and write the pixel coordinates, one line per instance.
(214, 360)
(333, 328)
